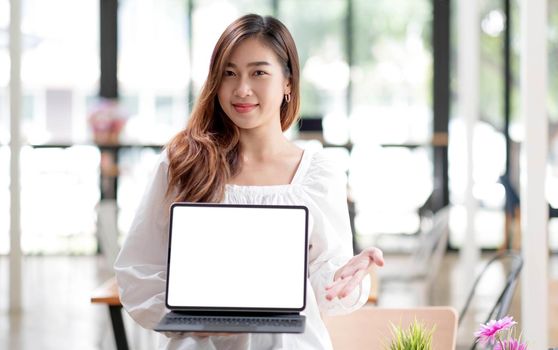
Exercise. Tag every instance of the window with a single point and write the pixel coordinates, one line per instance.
(4, 128)
(390, 123)
(4, 199)
(392, 73)
(153, 68)
(60, 71)
(318, 30)
(60, 68)
(552, 76)
(60, 190)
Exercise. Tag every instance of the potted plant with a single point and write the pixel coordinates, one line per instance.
(416, 336)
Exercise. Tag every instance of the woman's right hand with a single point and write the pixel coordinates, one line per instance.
(196, 334)
(209, 334)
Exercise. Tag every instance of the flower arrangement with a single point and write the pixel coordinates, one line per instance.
(500, 334)
(107, 119)
(416, 337)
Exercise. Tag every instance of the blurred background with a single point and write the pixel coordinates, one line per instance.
(368, 97)
(367, 76)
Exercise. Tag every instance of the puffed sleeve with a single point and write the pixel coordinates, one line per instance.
(141, 264)
(331, 238)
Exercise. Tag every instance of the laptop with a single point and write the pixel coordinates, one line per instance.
(236, 268)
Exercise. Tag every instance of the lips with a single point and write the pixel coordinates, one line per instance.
(244, 107)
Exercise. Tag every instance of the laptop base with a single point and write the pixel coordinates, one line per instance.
(187, 322)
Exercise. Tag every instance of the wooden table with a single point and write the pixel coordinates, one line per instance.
(553, 312)
(374, 286)
(107, 294)
(370, 326)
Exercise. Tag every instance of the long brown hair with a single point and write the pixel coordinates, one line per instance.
(205, 155)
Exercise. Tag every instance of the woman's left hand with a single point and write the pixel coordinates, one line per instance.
(348, 277)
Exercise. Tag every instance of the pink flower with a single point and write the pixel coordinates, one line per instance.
(487, 332)
(510, 344)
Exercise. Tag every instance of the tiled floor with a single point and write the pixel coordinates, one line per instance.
(57, 313)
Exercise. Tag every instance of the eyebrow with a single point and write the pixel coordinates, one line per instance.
(251, 64)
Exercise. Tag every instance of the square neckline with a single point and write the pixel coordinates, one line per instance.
(299, 174)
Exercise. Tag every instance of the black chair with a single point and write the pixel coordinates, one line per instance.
(503, 302)
(417, 273)
(405, 243)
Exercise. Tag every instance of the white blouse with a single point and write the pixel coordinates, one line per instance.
(318, 184)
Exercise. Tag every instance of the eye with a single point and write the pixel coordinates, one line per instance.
(229, 73)
(259, 73)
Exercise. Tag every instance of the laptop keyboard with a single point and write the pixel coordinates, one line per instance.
(234, 321)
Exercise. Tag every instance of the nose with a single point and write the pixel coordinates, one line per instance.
(242, 89)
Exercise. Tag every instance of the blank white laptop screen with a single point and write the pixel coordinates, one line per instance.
(226, 256)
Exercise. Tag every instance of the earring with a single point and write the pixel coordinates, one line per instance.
(288, 97)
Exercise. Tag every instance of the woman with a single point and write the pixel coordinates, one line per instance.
(233, 150)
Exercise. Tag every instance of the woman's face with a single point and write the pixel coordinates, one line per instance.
(253, 86)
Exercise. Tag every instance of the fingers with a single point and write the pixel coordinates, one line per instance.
(333, 290)
(375, 254)
(359, 262)
(352, 283)
(174, 335)
(208, 334)
(344, 286)
(348, 277)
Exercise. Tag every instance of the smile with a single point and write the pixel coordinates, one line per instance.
(244, 107)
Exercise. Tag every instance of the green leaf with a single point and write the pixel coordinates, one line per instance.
(415, 337)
